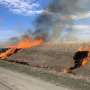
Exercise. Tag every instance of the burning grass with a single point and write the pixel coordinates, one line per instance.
(47, 62)
(54, 58)
(26, 42)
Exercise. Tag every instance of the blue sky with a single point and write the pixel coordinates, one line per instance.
(17, 16)
(13, 23)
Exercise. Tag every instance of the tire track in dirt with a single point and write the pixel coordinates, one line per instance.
(10, 80)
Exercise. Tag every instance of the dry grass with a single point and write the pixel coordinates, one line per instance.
(56, 58)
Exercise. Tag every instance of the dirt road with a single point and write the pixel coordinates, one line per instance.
(10, 80)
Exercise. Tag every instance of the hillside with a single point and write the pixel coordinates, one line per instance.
(47, 62)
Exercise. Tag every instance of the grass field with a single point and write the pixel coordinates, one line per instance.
(55, 58)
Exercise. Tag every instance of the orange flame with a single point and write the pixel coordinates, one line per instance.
(8, 53)
(80, 49)
(29, 43)
(24, 43)
(85, 60)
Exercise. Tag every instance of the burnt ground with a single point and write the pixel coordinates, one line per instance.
(47, 62)
(52, 58)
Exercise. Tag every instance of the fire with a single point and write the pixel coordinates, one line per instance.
(29, 43)
(80, 49)
(8, 53)
(85, 60)
(24, 43)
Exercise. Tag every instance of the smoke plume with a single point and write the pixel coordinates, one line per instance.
(53, 23)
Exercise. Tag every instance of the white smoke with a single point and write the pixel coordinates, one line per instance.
(67, 12)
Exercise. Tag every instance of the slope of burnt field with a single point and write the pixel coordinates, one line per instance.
(56, 58)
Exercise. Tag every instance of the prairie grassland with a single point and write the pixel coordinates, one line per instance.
(55, 58)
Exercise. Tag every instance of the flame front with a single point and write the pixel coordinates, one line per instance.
(29, 43)
(80, 49)
(85, 60)
(24, 43)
